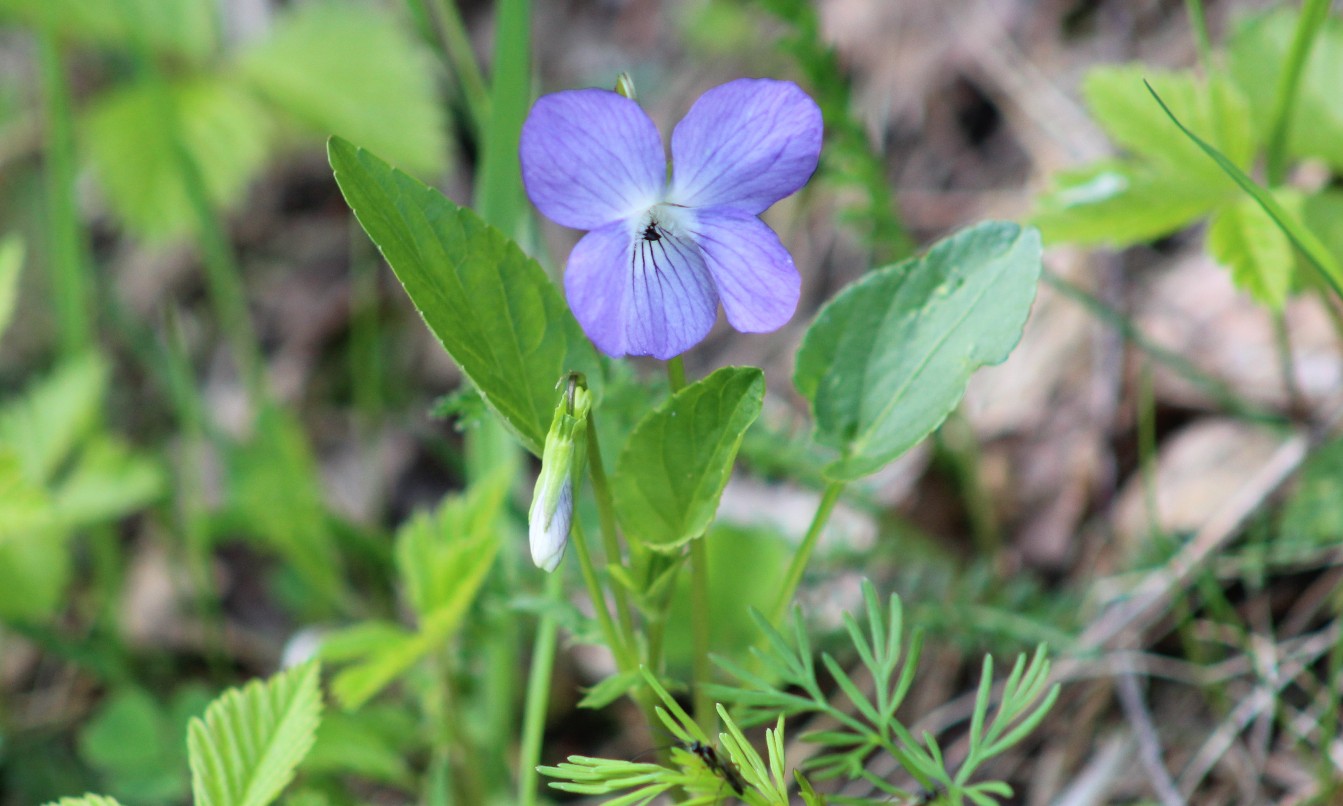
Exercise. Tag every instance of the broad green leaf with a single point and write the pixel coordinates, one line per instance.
(33, 574)
(86, 800)
(107, 482)
(1256, 52)
(277, 495)
(1118, 204)
(1121, 104)
(132, 741)
(677, 461)
(348, 69)
(48, 418)
(1312, 249)
(224, 129)
(888, 358)
(491, 306)
(245, 749)
(11, 261)
(443, 556)
(1244, 238)
(25, 508)
(183, 29)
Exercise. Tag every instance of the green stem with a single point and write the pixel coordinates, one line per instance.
(223, 276)
(1220, 392)
(606, 515)
(538, 693)
(676, 374)
(1282, 341)
(1199, 23)
(1313, 15)
(624, 658)
(460, 56)
(626, 661)
(71, 279)
(794, 575)
(700, 669)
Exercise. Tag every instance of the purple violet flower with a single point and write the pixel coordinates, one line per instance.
(661, 254)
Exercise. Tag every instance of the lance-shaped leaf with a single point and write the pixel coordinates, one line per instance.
(677, 460)
(888, 358)
(246, 748)
(491, 306)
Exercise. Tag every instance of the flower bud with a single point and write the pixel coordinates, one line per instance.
(562, 459)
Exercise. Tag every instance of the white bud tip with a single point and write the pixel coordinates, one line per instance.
(549, 532)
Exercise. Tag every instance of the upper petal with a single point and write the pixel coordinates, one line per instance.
(590, 157)
(752, 271)
(746, 145)
(639, 296)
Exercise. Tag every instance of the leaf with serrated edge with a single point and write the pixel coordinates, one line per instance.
(492, 307)
(677, 460)
(244, 751)
(889, 357)
(1244, 238)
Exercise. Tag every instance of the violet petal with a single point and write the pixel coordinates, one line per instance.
(590, 157)
(753, 272)
(745, 145)
(639, 296)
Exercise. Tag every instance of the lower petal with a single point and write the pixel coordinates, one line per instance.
(752, 271)
(638, 295)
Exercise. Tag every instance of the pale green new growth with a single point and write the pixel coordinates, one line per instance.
(250, 741)
(86, 800)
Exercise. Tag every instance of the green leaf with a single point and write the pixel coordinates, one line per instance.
(491, 306)
(1313, 516)
(24, 506)
(442, 557)
(1328, 268)
(1244, 238)
(225, 130)
(1257, 51)
(131, 741)
(611, 689)
(33, 574)
(1120, 103)
(108, 482)
(183, 29)
(385, 652)
(1118, 204)
(889, 357)
(348, 69)
(675, 464)
(45, 422)
(1321, 213)
(372, 744)
(86, 800)
(251, 739)
(11, 261)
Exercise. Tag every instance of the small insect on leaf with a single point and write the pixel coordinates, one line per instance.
(718, 766)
